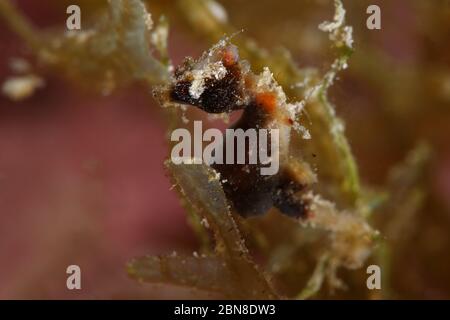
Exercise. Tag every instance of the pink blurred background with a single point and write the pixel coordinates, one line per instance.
(81, 182)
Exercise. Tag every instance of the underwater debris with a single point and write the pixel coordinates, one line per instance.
(119, 48)
(19, 88)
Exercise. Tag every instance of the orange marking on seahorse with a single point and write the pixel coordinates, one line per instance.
(267, 101)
